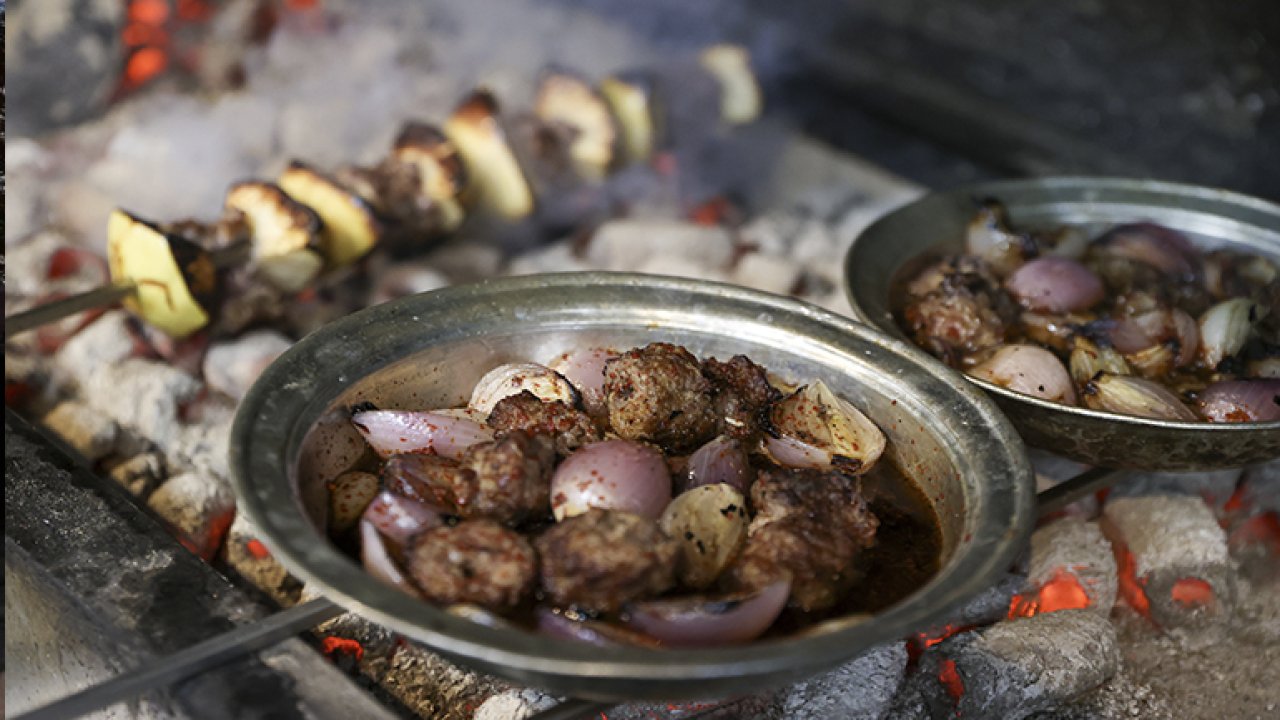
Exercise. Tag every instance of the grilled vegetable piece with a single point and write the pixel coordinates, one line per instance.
(567, 99)
(350, 228)
(633, 101)
(176, 279)
(740, 97)
(498, 184)
(285, 234)
(441, 174)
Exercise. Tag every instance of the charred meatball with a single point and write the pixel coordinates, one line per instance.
(476, 561)
(510, 478)
(426, 478)
(571, 428)
(742, 394)
(603, 559)
(658, 393)
(809, 526)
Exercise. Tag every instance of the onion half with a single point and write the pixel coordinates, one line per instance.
(584, 368)
(612, 475)
(1167, 250)
(1241, 401)
(723, 460)
(815, 428)
(1055, 284)
(390, 432)
(1029, 370)
(1129, 395)
(707, 622)
(398, 518)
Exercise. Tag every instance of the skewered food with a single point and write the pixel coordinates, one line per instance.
(600, 527)
(177, 283)
(1138, 321)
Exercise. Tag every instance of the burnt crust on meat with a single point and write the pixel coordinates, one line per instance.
(957, 308)
(810, 526)
(742, 395)
(475, 561)
(429, 479)
(570, 427)
(510, 478)
(658, 394)
(603, 559)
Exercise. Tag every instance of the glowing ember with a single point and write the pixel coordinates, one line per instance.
(332, 645)
(1192, 593)
(1236, 501)
(1131, 586)
(923, 641)
(1062, 592)
(257, 549)
(949, 676)
(1262, 529)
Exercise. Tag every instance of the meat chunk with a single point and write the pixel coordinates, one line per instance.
(741, 396)
(429, 479)
(512, 478)
(956, 308)
(507, 479)
(658, 393)
(809, 526)
(476, 561)
(571, 428)
(603, 559)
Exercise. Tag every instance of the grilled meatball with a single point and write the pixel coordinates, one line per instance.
(426, 478)
(510, 478)
(603, 559)
(956, 308)
(476, 561)
(657, 393)
(741, 394)
(810, 526)
(571, 428)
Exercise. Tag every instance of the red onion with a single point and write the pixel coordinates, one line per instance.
(513, 379)
(398, 518)
(1055, 284)
(1029, 370)
(815, 428)
(402, 431)
(1169, 251)
(378, 562)
(1241, 401)
(702, 622)
(600, 634)
(615, 475)
(585, 369)
(722, 460)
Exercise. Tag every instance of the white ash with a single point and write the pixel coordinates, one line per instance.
(231, 367)
(434, 687)
(140, 474)
(1260, 486)
(1077, 547)
(514, 704)
(1164, 531)
(1055, 467)
(558, 257)
(862, 689)
(27, 263)
(1119, 697)
(26, 165)
(103, 344)
(627, 244)
(143, 396)
(465, 260)
(1215, 486)
(203, 444)
(196, 506)
(89, 432)
(770, 273)
(677, 267)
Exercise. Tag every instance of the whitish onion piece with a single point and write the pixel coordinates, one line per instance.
(1088, 359)
(612, 475)
(1055, 284)
(1265, 368)
(1169, 251)
(814, 428)
(585, 369)
(988, 236)
(514, 378)
(1029, 370)
(600, 634)
(705, 622)
(1224, 328)
(399, 518)
(390, 432)
(1129, 395)
(710, 523)
(377, 560)
(349, 495)
(1241, 401)
(723, 460)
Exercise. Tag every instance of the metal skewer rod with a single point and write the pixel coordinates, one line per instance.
(194, 660)
(103, 296)
(1068, 491)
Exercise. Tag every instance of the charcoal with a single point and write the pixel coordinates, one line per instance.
(140, 474)
(862, 689)
(515, 704)
(1079, 549)
(249, 557)
(988, 606)
(101, 345)
(629, 244)
(1215, 487)
(770, 273)
(1179, 552)
(89, 432)
(231, 367)
(199, 507)
(1018, 667)
(143, 396)
(1120, 697)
